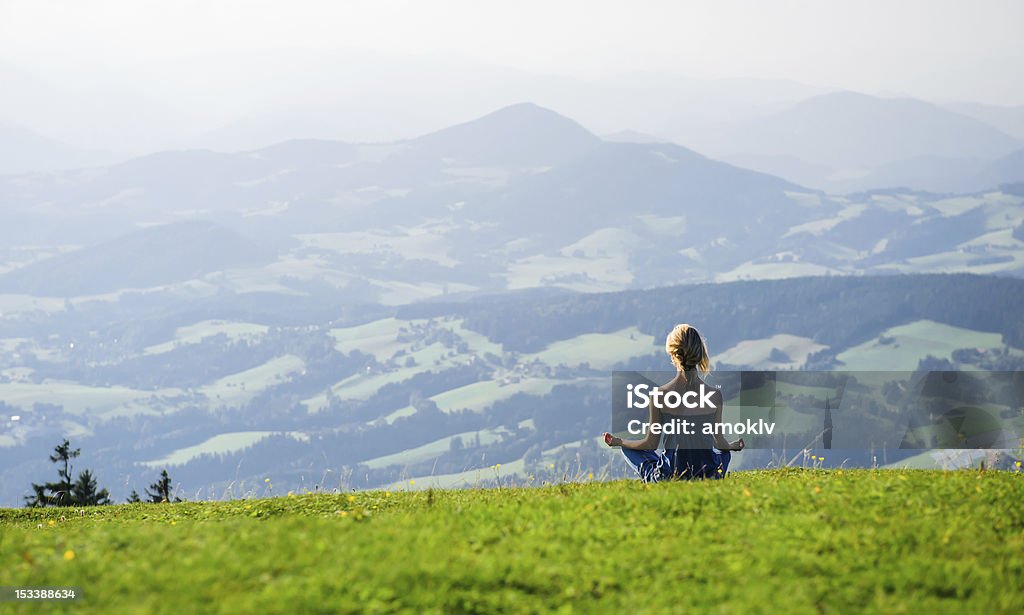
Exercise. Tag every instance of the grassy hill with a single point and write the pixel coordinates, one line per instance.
(778, 541)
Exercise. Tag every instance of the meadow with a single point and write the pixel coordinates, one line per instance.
(901, 347)
(795, 540)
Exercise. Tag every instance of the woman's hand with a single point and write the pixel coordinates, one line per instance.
(611, 440)
(738, 445)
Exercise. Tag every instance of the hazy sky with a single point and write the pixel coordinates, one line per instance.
(938, 49)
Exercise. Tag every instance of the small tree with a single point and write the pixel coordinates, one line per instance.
(134, 497)
(160, 491)
(58, 493)
(85, 491)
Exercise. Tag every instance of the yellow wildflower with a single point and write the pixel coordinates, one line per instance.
(69, 555)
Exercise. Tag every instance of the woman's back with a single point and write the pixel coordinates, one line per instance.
(699, 422)
(698, 431)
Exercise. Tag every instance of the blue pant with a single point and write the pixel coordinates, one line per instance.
(678, 464)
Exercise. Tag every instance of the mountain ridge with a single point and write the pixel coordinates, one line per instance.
(850, 129)
(142, 259)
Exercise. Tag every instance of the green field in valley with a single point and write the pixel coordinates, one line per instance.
(757, 354)
(216, 445)
(600, 350)
(196, 333)
(788, 541)
(237, 389)
(900, 348)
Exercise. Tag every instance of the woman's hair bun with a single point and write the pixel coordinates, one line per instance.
(686, 347)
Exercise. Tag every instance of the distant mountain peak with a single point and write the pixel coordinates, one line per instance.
(855, 131)
(523, 133)
(524, 111)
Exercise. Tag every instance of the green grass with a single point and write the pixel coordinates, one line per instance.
(767, 541)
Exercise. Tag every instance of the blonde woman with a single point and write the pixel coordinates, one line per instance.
(686, 456)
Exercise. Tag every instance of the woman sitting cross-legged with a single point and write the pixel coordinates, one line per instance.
(686, 456)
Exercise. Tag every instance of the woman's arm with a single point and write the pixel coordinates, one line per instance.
(648, 442)
(720, 442)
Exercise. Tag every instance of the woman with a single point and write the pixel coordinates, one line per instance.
(686, 456)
